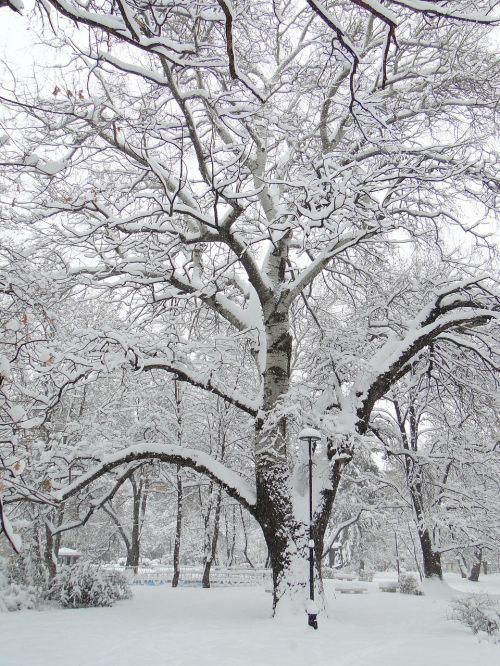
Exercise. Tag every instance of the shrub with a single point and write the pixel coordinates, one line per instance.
(28, 569)
(15, 595)
(408, 584)
(479, 612)
(327, 573)
(366, 575)
(85, 584)
(120, 585)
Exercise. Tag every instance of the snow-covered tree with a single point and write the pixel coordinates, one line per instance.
(437, 428)
(208, 168)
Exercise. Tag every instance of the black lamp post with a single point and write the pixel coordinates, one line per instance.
(311, 436)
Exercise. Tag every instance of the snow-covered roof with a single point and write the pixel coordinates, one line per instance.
(68, 551)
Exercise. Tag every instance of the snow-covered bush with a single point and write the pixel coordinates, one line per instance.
(15, 595)
(366, 575)
(479, 612)
(120, 585)
(327, 573)
(85, 584)
(408, 584)
(28, 569)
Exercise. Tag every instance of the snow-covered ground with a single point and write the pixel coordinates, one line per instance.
(232, 627)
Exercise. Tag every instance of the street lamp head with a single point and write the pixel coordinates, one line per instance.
(309, 435)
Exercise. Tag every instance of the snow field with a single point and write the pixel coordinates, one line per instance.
(232, 627)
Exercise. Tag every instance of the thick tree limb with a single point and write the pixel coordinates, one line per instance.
(184, 374)
(470, 308)
(6, 529)
(233, 484)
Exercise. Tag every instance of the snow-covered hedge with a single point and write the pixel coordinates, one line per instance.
(327, 573)
(366, 575)
(15, 594)
(120, 585)
(479, 612)
(408, 584)
(85, 584)
(14, 597)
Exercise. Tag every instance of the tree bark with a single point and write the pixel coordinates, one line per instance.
(50, 558)
(139, 501)
(431, 558)
(462, 565)
(212, 542)
(245, 540)
(476, 565)
(178, 530)
(180, 498)
(287, 537)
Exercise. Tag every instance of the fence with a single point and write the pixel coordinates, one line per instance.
(192, 577)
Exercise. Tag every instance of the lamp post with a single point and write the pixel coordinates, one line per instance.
(311, 436)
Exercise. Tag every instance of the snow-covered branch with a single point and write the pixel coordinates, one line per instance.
(233, 484)
(7, 529)
(207, 383)
(464, 306)
(332, 538)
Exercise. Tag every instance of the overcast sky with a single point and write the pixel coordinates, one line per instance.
(15, 37)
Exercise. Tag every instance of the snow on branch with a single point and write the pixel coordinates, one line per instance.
(432, 9)
(98, 352)
(319, 263)
(391, 20)
(6, 527)
(125, 27)
(101, 502)
(233, 484)
(207, 383)
(463, 305)
(226, 7)
(15, 5)
(342, 526)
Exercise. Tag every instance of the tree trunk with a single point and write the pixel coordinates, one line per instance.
(287, 539)
(413, 473)
(288, 552)
(476, 565)
(134, 547)
(180, 497)
(245, 540)
(178, 530)
(286, 534)
(230, 524)
(462, 565)
(212, 543)
(50, 557)
(398, 565)
(432, 559)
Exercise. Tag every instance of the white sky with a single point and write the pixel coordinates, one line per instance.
(14, 33)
